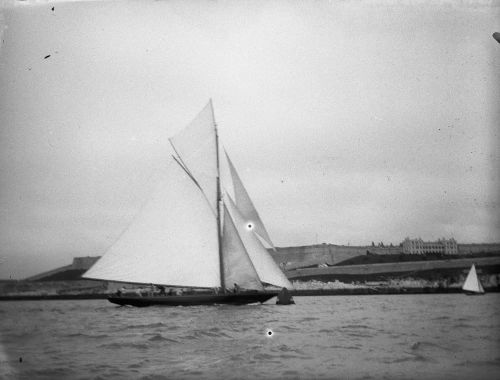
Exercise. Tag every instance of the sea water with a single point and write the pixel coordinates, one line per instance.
(332, 337)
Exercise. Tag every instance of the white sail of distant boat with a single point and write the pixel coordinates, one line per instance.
(472, 283)
(188, 234)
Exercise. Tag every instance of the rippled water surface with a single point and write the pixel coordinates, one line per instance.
(358, 337)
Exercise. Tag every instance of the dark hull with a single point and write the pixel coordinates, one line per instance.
(193, 300)
(469, 293)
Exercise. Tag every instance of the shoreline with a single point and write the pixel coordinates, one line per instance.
(296, 293)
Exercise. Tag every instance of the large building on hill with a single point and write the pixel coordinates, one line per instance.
(420, 247)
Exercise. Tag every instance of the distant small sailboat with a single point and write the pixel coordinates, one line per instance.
(472, 285)
(192, 235)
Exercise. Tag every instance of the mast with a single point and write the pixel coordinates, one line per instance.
(219, 231)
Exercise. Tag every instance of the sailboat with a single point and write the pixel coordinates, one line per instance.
(472, 285)
(191, 234)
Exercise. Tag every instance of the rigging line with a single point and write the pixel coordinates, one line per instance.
(186, 171)
(195, 182)
(218, 202)
(180, 161)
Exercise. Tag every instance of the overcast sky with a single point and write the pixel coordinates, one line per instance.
(349, 122)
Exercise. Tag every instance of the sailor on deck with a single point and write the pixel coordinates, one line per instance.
(236, 288)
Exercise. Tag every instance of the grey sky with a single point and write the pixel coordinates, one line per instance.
(348, 121)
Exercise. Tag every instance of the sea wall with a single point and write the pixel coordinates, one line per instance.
(39, 288)
(79, 264)
(295, 257)
(434, 268)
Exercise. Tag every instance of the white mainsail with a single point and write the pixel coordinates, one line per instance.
(472, 283)
(197, 150)
(172, 241)
(238, 268)
(264, 264)
(245, 205)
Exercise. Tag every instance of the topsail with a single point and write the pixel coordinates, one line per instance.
(196, 148)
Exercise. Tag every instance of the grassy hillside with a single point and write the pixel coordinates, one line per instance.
(381, 259)
(448, 270)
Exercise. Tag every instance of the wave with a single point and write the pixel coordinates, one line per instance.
(355, 327)
(197, 334)
(276, 358)
(289, 374)
(285, 348)
(412, 358)
(326, 331)
(75, 335)
(441, 318)
(53, 373)
(135, 365)
(202, 333)
(309, 319)
(343, 347)
(115, 345)
(218, 331)
(160, 338)
(463, 325)
(263, 357)
(286, 328)
(359, 334)
(58, 311)
(480, 363)
(155, 377)
(147, 326)
(425, 345)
